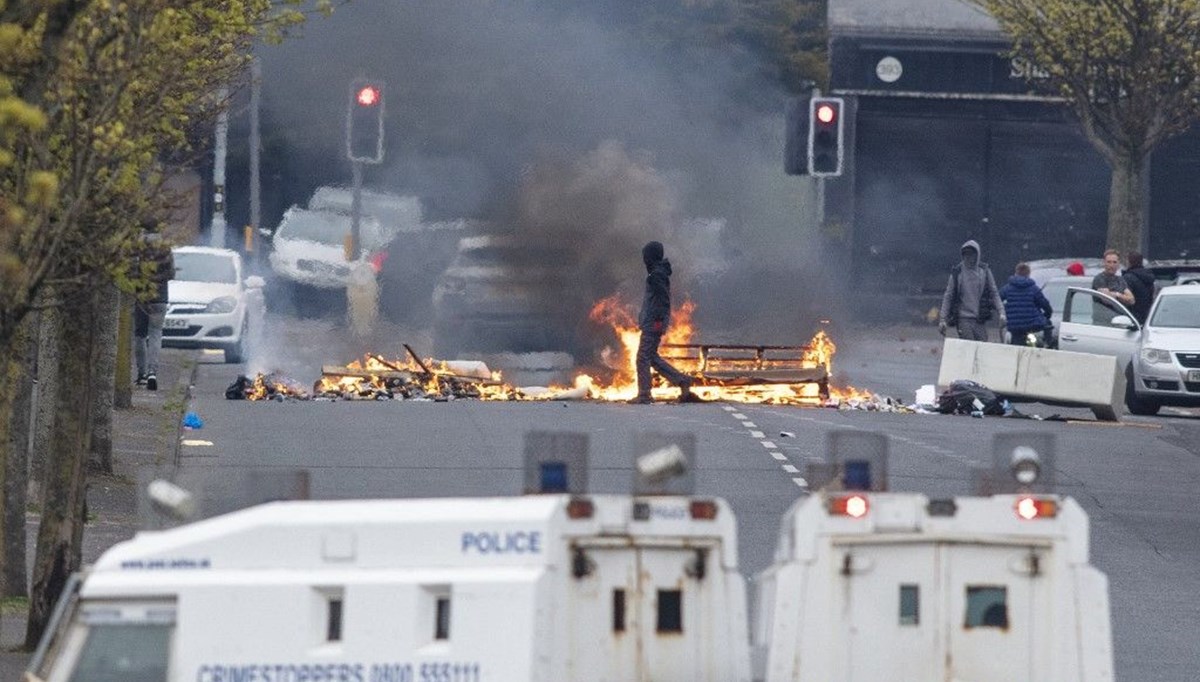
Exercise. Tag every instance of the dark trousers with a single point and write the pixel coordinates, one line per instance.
(647, 357)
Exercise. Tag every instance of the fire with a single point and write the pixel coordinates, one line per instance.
(781, 375)
(817, 354)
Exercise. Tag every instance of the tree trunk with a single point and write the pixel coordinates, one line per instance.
(1127, 202)
(108, 299)
(47, 395)
(123, 387)
(58, 551)
(16, 467)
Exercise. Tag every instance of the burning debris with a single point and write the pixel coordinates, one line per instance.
(778, 375)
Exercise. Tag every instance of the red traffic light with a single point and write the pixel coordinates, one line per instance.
(367, 96)
(826, 113)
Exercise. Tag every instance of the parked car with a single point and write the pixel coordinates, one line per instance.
(1044, 270)
(309, 247)
(1190, 278)
(500, 294)
(210, 305)
(1161, 359)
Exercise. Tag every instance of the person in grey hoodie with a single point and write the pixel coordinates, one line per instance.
(653, 320)
(971, 298)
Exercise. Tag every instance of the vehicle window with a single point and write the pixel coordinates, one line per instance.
(124, 653)
(1078, 309)
(910, 605)
(1177, 312)
(987, 607)
(204, 267)
(1057, 295)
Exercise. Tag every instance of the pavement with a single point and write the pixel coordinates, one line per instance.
(145, 435)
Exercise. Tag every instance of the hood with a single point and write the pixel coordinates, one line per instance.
(1142, 274)
(1171, 339)
(652, 253)
(972, 244)
(179, 291)
(1021, 282)
(295, 249)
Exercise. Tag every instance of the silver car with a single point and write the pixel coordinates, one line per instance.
(1161, 359)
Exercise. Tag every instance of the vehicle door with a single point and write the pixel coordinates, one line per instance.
(641, 615)
(1088, 326)
(993, 619)
(894, 614)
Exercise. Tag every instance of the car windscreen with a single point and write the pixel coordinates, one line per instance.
(204, 267)
(327, 227)
(1178, 312)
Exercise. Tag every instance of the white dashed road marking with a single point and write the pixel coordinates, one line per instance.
(772, 449)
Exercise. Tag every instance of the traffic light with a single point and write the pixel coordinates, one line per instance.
(795, 146)
(364, 121)
(825, 136)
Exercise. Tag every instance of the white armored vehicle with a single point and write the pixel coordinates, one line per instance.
(547, 587)
(870, 585)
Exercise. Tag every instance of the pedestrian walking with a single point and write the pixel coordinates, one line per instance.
(150, 313)
(653, 321)
(1141, 284)
(971, 297)
(1110, 282)
(1026, 308)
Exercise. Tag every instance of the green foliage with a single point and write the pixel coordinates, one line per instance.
(1130, 69)
(93, 96)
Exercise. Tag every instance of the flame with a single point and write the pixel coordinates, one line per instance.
(375, 377)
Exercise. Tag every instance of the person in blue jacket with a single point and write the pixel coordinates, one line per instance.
(1026, 308)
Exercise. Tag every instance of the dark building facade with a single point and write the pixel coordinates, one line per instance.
(949, 141)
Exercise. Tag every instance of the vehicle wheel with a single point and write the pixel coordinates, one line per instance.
(237, 354)
(1143, 407)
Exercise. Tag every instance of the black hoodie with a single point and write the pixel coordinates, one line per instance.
(1141, 284)
(656, 304)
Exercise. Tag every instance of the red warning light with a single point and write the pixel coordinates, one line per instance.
(368, 96)
(825, 113)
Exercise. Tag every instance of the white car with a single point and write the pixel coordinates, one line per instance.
(309, 247)
(210, 305)
(1161, 359)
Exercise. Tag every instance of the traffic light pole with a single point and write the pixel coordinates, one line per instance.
(356, 212)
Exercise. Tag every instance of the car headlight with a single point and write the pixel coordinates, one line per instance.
(1156, 356)
(222, 305)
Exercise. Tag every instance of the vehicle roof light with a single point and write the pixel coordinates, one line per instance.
(1030, 508)
(580, 508)
(703, 510)
(553, 477)
(854, 506)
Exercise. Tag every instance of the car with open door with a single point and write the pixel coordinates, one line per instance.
(1161, 358)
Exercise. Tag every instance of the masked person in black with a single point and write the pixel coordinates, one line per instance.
(653, 322)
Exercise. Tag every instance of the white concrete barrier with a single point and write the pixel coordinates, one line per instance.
(1038, 374)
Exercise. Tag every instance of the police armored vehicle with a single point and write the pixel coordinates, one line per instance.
(871, 585)
(546, 587)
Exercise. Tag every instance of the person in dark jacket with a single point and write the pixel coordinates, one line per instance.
(1026, 307)
(653, 321)
(150, 313)
(1141, 283)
